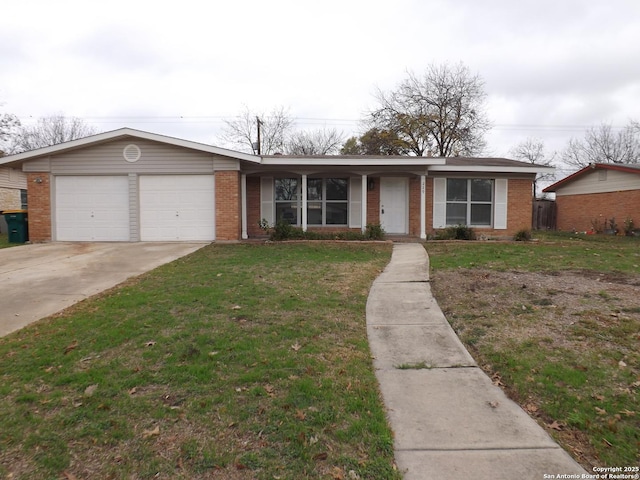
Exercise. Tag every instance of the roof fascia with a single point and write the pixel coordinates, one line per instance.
(490, 169)
(351, 162)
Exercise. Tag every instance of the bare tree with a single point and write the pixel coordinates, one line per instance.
(316, 142)
(50, 131)
(241, 132)
(9, 125)
(277, 135)
(439, 113)
(603, 145)
(532, 151)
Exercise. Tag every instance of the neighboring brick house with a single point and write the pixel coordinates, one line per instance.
(128, 185)
(593, 196)
(13, 191)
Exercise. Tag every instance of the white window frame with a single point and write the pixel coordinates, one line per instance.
(469, 202)
(324, 201)
(296, 201)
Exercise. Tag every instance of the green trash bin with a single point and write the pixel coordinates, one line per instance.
(17, 223)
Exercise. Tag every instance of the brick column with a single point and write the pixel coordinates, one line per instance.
(39, 198)
(228, 205)
(373, 202)
(520, 206)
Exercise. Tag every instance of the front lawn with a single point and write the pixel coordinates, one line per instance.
(556, 323)
(237, 362)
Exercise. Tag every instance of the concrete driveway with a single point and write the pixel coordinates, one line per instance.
(41, 279)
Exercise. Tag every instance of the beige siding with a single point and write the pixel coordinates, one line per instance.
(134, 208)
(225, 163)
(109, 159)
(156, 158)
(12, 178)
(601, 181)
(38, 165)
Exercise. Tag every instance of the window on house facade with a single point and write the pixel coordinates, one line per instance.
(470, 201)
(23, 199)
(287, 200)
(327, 200)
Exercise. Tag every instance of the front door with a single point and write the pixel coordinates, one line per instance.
(393, 204)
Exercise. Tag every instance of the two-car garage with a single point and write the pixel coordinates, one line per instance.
(134, 207)
(132, 186)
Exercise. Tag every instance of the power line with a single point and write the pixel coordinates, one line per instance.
(303, 120)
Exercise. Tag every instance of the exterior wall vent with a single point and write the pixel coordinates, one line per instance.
(602, 176)
(131, 153)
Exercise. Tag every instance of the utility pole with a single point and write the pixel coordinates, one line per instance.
(258, 122)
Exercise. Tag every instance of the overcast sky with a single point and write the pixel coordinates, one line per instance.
(551, 68)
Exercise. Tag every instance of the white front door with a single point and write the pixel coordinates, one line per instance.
(393, 204)
(92, 208)
(177, 207)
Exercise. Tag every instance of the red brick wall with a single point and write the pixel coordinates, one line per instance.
(577, 212)
(39, 196)
(228, 206)
(520, 206)
(373, 202)
(414, 206)
(429, 203)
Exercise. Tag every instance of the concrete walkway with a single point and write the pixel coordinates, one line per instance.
(449, 420)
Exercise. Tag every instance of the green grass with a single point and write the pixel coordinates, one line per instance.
(239, 361)
(551, 252)
(556, 352)
(4, 241)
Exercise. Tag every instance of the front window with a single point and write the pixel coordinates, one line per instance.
(469, 201)
(287, 195)
(327, 200)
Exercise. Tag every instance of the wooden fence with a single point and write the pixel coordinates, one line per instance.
(544, 215)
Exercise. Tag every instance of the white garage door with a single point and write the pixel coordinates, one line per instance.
(177, 207)
(93, 208)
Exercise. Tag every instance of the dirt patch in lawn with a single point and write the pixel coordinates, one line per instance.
(562, 344)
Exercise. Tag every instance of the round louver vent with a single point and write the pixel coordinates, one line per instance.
(131, 153)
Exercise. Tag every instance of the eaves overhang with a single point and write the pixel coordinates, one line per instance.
(359, 161)
(490, 169)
